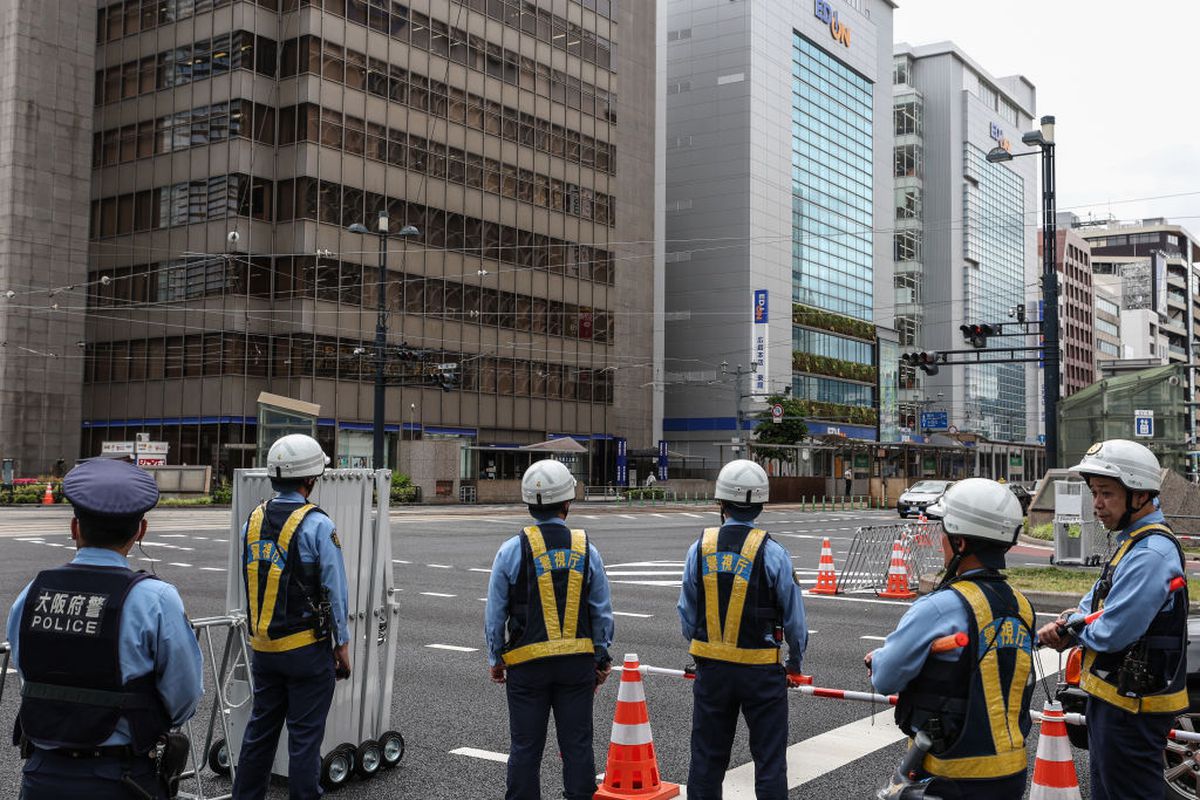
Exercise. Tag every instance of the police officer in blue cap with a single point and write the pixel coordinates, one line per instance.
(296, 587)
(108, 661)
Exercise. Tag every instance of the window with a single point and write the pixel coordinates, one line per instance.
(908, 203)
(902, 71)
(907, 115)
(908, 161)
(907, 245)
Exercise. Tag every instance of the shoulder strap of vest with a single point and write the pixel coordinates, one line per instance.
(575, 575)
(1104, 585)
(712, 604)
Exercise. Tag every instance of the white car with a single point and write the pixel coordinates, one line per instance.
(921, 497)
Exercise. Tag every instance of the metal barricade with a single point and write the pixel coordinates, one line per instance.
(870, 555)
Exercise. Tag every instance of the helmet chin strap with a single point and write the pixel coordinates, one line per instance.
(1123, 522)
(952, 566)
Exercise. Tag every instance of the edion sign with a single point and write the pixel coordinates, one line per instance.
(825, 13)
(997, 134)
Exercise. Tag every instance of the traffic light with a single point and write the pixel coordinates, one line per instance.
(926, 361)
(977, 335)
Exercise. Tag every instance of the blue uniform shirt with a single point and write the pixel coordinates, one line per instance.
(778, 566)
(315, 536)
(903, 654)
(155, 637)
(506, 568)
(1139, 590)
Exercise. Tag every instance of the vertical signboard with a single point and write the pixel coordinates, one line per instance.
(758, 345)
(663, 462)
(622, 463)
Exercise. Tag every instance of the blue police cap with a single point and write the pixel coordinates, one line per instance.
(108, 487)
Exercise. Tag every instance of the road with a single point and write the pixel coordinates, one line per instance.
(454, 720)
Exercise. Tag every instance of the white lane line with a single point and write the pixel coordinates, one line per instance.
(620, 574)
(223, 541)
(440, 566)
(627, 516)
(438, 594)
(874, 638)
(150, 560)
(486, 755)
(811, 631)
(213, 569)
(172, 535)
(452, 647)
(205, 538)
(478, 569)
(483, 599)
(676, 583)
(809, 596)
(400, 561)
(37, 539)
(178, 564)
(631, 614)
(53, 544)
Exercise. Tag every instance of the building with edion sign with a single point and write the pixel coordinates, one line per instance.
(234, 142)
(779, 144)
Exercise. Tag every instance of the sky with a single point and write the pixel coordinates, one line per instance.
(1122, 80)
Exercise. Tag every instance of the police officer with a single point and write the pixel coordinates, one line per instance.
(296, 589)
(1134, 665)
(548, 625)
(738, 602)
(107, 658)
(972, 702)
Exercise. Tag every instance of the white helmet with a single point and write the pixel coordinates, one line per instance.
(547, 482)
(742, 481)
(1130, 463)
(982, 509)
(296, 456)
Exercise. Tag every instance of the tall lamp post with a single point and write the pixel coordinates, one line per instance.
(381, 321)
(1044, 140)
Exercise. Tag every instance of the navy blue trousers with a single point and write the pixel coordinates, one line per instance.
(1125, 752)
(48, 776)
(295, 686)
(564, 685)
(719, 693)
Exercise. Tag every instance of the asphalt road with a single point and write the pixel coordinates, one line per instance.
(443, 701)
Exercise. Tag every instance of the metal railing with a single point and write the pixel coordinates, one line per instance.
(870, 555)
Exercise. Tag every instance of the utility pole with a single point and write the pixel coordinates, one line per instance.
(737, 398)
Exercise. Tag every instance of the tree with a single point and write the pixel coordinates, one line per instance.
(791, 431)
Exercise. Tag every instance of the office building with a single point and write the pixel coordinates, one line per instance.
(965, 247)
(779, 141)
(1077, 317)
(235, 143)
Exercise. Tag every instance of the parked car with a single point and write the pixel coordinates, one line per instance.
(1179, 758)
(920, 496)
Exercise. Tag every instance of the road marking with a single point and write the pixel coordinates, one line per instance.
(438, 594)
(213, 569)
(440, 566)
(486, 755)
(611, 573)
(631, 614)
(37, 539)
(453, 647)
(648, 564)
(809, 596)
(151, 560)
(676, 584)
(874, 638)
(627, 516)
(223, 541)
(205, 538)
(400, 561)
(693, 516)
(483, 599)
(172, 536)
(178, 564)
(478, 569)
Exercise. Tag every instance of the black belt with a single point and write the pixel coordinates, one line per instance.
(121, 751)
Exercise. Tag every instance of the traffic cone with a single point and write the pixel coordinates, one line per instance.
(826, 577)
(897, 579)
(1054, 767)
(48, 497)
(632, 771)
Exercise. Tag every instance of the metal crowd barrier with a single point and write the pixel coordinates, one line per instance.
(870, 555)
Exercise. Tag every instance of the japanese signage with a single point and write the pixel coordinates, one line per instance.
(622, 462)
(997, 134)
(76, 613)
(839, 31)
(758, 344)
(1143, 424)
(663, 459)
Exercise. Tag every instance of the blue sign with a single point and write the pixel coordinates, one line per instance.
(1143, 424)
(663, 460)
(934, 420)
(760, 306)
(622, 463)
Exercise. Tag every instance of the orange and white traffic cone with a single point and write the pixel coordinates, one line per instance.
(48, 497)
(897, 579)
(632, 771)
(826, 577)
(1054, 767)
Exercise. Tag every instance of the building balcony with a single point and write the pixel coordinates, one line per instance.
(1177, 353)
(910, 267)
(910, 310)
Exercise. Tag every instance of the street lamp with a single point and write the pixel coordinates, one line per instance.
(1044, 140)
(381, 321)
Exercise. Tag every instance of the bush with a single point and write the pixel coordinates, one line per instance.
(403, 490)
(646, 493)
(185, 502)
(29, 491)
(1044, 531)
(222, 494)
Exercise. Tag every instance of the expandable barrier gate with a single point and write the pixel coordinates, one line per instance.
(357, 502)
(870, 555)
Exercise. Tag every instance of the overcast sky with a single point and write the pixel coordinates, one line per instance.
(1121, 78)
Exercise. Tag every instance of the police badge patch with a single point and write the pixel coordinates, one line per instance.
(336, 542)
(1096, 448)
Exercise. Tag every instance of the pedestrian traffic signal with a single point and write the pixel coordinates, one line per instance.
(927, 361)
(977, 335)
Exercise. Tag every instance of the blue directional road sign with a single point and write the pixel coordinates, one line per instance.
(934, 420)
(1143, 424)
